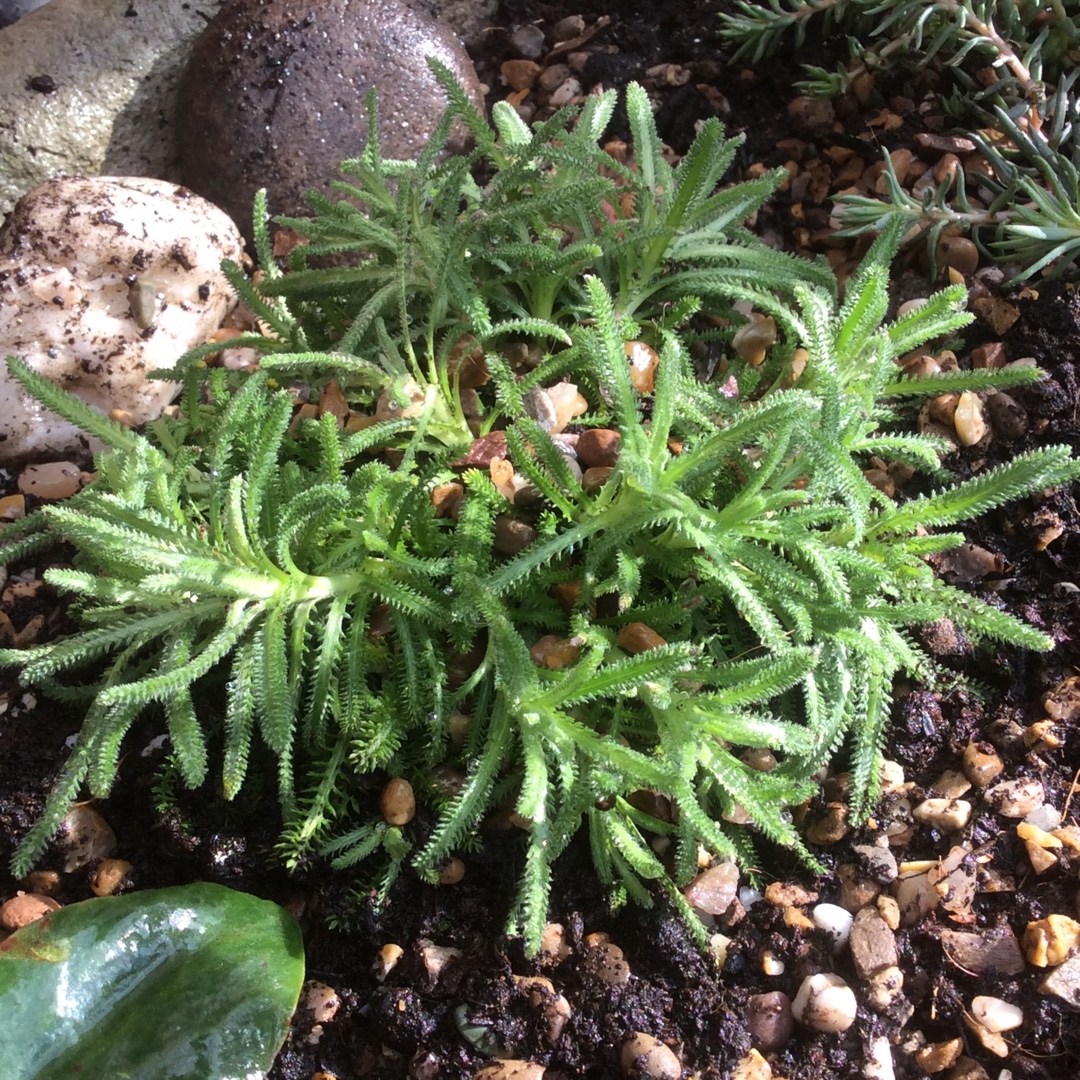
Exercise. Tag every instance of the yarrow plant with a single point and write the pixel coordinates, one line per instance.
(431, 589)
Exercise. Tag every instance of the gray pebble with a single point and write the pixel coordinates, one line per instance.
(529, 41)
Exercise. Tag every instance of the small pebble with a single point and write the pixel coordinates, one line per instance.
(967, 1069)
(968, 420)
(873, 944)
(565, 92)
(835, 921)
(825, 1003)
(769, 1020)
(24, 908)
(84, 837)
(386, 960)
(991, 1040)
(947, 815)
(109, 875)
(529, 41)
(451, 871)
(520, 74)
(1064, 982)
(643, 364)
(714, 890)
(397, 802)
(46, 882)
(554, 946)
(1016, 798)
(436, 957)
(637, 637)
(937, 1057)
(53, 480)
(1048, 942)
(512, 536)
(856, 891)
(982, 764)
(567, 28)
(884, 988)
(879, 1059)
(646, 1058)
(605, 961)
(990, 951)
(1008, 417)
(511, 1069)
(995, 1014)
(771, 964)
(916, 897)
(829, 825)
(552, 76)
(959, 254)
(322, 1000)
(598, 447)
(752, 1066)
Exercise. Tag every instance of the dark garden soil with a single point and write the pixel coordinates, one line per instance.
(414, 1024)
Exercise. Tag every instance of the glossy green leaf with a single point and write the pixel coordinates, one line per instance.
(197, 981)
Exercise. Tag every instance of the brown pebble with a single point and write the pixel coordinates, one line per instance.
(714, 890)
(322, 1000)
(872, 943)
(957, 253)
(512, 536)
(520, 74)
(784, 894)
(598, 447)
(605, 962)
(637, 638)
(553, 76)
(769, 1019)
(84, 836)
(511, 1069)
(644, 1057)
(828, 825)
(46, 882)
(643, 364)
(990, 355)
(109, 875)
(592, 480)
(1008, 417)
(982, 763)
(1048, 942)
(553, 652)
(397, 802)
(53, 480)
(451, 871)
(12, 508)
(24, 908)
(935, 1057)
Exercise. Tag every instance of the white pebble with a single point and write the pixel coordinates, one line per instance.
(946, 814)
(1045, 817)
(996, 1015)
(835, 921)
(748, 896)
(879, 1060)
(825, 1003)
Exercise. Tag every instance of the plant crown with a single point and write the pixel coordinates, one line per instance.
(553, 649)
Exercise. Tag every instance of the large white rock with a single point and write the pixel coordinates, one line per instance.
(101, 281)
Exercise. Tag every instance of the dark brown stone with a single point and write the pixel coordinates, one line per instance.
(274, 96)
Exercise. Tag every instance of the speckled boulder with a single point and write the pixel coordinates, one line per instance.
(101, 281)
(275, 90)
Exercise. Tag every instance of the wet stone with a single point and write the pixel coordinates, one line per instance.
(984, 952)
(598, 447)
(644, 1057)
(25, 908)
(769, 1019)
(873, 944)
(714, 890)
(275, 95)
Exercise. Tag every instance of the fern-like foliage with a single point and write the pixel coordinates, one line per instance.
(733, 582)
(1026, 209)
